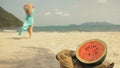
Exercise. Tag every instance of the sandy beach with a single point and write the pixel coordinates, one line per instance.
(39, 51)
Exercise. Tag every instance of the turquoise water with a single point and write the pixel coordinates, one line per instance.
(81, 28)
(85, 28)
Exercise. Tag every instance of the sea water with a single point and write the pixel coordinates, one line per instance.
(85, 28)
(81, 28)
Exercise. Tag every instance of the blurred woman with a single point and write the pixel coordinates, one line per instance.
(29, 21)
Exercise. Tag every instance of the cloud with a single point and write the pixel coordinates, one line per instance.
(102, 1)
(47, 13)
(57, 12)
(61, 13)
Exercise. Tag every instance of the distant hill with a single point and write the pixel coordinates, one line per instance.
(8, 20)
(96, 23)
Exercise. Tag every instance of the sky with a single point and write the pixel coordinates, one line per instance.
(66, 12)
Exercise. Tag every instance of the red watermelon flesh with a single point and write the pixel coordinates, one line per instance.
(91, 51)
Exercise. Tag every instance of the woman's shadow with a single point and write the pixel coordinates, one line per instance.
(18, 38)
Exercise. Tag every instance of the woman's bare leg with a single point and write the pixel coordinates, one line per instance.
(30, 31)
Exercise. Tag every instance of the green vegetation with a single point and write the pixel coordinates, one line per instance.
(8, 20)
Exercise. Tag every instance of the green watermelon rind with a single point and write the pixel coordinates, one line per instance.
(100, 60)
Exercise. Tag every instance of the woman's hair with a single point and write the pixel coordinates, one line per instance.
(28, 8)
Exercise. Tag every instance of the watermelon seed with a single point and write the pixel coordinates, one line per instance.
(95, 52)
(89, 54)
(96, 48)
(86, 49)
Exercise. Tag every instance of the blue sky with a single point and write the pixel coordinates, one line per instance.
(65, 12)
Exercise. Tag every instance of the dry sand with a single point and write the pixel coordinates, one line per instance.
(40, 50)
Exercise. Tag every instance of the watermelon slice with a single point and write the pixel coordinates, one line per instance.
(92, 51)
